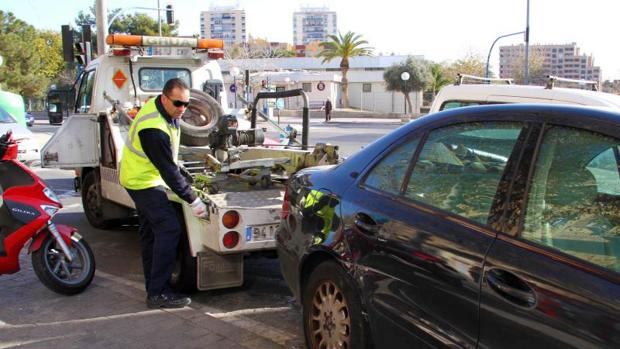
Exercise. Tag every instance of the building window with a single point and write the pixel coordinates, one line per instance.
(367, 87)
(307, 86)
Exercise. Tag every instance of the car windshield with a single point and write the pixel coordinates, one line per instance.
(6, 118)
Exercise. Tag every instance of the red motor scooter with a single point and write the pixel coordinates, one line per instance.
(62, 260)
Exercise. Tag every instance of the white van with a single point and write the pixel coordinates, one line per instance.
(462, 95)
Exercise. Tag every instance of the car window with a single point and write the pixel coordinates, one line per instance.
(85, 93)
(460, 167)
(154, 79)
(574, 201)
(459, 104)
(6, 118)
(389, 173)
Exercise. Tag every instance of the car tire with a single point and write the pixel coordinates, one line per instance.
(200, 119)
(332, 310)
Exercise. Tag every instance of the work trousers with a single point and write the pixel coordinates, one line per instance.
(160, 232)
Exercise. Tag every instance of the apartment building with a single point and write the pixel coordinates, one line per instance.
(312, 24)
(226, 23)
(560, 60)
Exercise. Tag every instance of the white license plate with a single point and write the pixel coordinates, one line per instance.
(261, 232)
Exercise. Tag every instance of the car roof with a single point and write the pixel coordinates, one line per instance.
(594, 118)
(524, 94)
(517, 111)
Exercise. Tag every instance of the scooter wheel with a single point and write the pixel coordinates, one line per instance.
(57, 273)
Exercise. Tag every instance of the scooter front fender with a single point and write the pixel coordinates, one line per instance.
(65, 231)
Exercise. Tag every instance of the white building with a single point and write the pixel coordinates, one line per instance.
(321, 81)
(226, 23)
(313, 24)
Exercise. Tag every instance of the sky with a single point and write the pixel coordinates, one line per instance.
(440, 30)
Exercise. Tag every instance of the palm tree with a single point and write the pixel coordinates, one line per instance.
(349, 45)
(438, 79)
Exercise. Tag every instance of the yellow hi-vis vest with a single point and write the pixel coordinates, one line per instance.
(137, 172)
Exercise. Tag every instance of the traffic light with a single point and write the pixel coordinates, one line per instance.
(83, 55)
(169, 14)
(67, 43)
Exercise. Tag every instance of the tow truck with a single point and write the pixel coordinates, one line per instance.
(240, 179)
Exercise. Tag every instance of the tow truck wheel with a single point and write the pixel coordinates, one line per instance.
(92, 200)
(184, 273)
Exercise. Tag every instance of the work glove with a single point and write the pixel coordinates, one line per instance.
(199, 208)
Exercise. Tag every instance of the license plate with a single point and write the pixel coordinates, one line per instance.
(261, 232)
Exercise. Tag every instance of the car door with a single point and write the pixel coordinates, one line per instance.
(421, 238)
(555, 283)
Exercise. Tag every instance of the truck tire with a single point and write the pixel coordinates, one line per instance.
(92, 202)
(184, 277)
(200, 119)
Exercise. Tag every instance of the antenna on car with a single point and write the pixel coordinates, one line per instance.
(553, 79)
(462, 77)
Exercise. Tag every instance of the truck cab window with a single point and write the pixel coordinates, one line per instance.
(154, 79)
(85, 94)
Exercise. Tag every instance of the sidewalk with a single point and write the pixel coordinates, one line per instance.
(111, 313)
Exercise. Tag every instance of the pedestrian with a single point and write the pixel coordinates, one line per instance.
(148, 166)
(328, 110)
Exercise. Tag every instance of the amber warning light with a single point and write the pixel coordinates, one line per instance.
(141, 40)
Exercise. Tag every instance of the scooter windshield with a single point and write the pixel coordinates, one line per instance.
(12, 175)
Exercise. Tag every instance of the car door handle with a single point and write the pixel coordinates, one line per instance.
(367, 224)
(511, 287)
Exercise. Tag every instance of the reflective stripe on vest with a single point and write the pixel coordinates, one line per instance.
(136, 170)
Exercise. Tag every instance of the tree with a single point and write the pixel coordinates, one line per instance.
(419, 77)
(438, 79)
(536, 74)
(611, 86)
(344, 47)
(471, 64)
(136, 24)
(31, 58)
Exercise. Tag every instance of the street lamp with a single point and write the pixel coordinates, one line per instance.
(234, 71)
(493, 44)
(404, 76)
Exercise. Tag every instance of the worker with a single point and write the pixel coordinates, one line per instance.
(149, 165)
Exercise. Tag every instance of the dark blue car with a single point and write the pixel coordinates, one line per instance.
(488, 227)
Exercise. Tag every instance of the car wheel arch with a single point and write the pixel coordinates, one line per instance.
(312, 260)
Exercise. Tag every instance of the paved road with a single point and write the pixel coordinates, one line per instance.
(263, 306)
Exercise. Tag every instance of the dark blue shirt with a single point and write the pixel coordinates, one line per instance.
(157, 147)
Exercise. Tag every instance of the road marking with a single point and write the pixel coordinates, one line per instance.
(273, 334)
(96, 319)
(249, 312)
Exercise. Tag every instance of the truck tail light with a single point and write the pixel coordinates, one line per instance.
(230, 239)
(285, 206)
(230, 219)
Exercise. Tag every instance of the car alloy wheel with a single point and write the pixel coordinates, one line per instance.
(330, 320)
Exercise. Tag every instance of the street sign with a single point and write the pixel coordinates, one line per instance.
(233, 88)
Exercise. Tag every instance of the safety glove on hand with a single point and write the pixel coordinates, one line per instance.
(199, 208)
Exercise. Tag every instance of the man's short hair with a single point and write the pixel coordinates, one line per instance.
(174, 83)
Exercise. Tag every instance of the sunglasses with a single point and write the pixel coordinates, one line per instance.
(178, 103)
